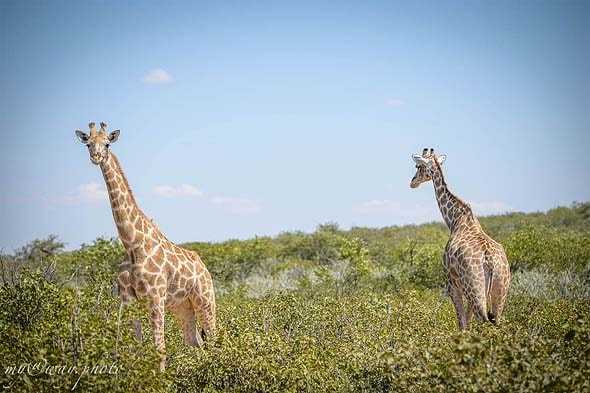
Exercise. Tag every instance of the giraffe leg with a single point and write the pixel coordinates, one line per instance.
(127, 295)
(473, 283)
(457, 298)
(157, 320)
(204, 306)
(468, 316)
(498, 291)
(185, 315)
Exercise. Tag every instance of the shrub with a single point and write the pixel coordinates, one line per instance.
(322, 246)
(57, 336)
(39, 248)
(338, 311)
(359, 269)
(421, 263)
(234, 260)
(533, 247)
(549, 284)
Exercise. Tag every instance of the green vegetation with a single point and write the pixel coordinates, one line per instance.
(334, 310)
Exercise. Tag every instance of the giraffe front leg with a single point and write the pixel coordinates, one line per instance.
(157, 320)
(127, 295)
(457, 298)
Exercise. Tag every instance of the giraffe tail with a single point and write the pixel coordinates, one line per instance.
(491, 317)
(489, 280)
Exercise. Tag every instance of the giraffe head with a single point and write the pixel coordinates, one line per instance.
(98, 142)
(425, 166)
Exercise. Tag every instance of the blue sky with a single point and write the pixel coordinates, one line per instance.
(240, 119)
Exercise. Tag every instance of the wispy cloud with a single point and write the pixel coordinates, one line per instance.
(157, 76)
(379, 206)
(237, 205)
(183, 190)
(414, 213)
(91, 193)
(395, 102)
(234, 205)
(421, 213)
(492, 207)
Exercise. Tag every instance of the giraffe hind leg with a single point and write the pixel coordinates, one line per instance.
(204, 307)
(185, 315)
(457, 299)
(473, 282)
(477, 307)
(468, 315)
(498, 293)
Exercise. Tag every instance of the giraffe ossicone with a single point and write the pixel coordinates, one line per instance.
(476, 266)
(166, 275)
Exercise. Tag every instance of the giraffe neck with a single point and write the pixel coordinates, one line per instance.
(454, 211)
(134, 228)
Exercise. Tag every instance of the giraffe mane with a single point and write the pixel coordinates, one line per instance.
(464, 204)
(120, 170)
(124, 177)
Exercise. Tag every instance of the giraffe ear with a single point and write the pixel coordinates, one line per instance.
(82, 136)
(418, 159)
(441, 158)
(113, 136)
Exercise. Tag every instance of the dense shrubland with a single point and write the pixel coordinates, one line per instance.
(334, 310)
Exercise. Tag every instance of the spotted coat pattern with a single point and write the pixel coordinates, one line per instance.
(476, 266)
(157, 270)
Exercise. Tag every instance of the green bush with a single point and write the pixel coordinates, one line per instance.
(368, 342)
(234, 259)
(422, 263)
(57, 336)
(534, 247)
(360, 266)
(337, 311)
(322, 246)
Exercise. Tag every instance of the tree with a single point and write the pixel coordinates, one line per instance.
(39, 248)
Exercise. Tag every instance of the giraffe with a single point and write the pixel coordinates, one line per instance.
(155, 269)
(476, 266)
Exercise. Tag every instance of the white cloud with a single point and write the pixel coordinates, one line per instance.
(157, 76)
(232, 204)
(414, 213)
(237, 205)
(90, 193)
(493, 207)
(395, 102)
(379, 206)
(420, 213)
(183, 190)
